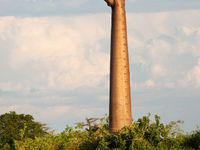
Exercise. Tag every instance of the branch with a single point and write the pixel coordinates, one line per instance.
(110, 2)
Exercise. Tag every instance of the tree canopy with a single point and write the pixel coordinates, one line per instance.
(18, 127)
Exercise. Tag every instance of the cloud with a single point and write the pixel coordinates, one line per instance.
(6, 86)
(166, 50)
(192, 78)
(65, 54)
(145, 85)
(188, 35)
(158, 70)
(169, 84)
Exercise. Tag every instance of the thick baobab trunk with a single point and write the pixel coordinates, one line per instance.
(120, 100)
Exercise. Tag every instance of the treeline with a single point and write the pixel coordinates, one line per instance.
(21, 132)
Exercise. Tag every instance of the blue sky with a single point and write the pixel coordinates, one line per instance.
(54, 59)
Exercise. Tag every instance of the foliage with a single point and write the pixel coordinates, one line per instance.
(193, 140)
(94, 134)
(18, 127)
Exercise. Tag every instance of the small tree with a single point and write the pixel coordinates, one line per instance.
(18, 127)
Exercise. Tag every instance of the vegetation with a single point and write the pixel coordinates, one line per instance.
(94, 134)
(18, 127)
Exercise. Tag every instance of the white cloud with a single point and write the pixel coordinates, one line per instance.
(138, 60)
(59, 51)
(187, 30)
(169, 84)
(192, 78)
(150, 83)
(188, 40)
(6, 86)
(166, 46)
(159, 49)
(144, 85)
(65, 52)
(159, 70)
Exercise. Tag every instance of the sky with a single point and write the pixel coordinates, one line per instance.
(54, 59)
